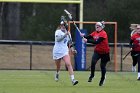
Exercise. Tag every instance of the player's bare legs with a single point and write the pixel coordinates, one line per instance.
(58, 65)
(67, 61)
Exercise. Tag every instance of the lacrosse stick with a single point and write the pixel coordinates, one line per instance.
(133, 32)
(131, 49)
(70, 17)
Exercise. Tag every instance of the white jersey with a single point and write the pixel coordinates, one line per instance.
(60, 48)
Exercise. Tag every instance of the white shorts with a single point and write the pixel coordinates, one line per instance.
(59, 55)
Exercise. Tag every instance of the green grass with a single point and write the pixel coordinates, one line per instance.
(25, 81)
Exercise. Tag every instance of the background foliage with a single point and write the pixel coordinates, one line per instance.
(38, 21)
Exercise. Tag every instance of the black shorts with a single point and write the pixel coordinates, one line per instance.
(103, 57)
(135, 53)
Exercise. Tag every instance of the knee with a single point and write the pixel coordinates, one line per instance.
(68, 65)
(103, 67)
(93, 62)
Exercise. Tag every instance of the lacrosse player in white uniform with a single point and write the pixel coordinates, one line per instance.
(61, 51)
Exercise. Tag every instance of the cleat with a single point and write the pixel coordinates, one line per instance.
(74, 82)
(102, 81)
(90, 78)
(56, 77)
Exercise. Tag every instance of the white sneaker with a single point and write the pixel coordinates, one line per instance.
(56, 77)
(133, 68)
(74, 82)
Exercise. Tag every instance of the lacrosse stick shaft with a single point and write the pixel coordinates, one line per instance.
(126, 55)
(78, 29)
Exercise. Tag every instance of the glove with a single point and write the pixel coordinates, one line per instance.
(73, 51)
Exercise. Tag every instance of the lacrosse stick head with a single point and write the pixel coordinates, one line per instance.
(68, 13)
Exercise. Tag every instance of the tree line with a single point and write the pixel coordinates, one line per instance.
(38, 21)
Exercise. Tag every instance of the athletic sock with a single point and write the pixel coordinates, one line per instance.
(138, 74)
(72, 77)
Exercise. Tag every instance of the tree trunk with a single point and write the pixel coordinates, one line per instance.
(1, 14)
(11, 24)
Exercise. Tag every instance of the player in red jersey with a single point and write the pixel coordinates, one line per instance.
(133, 31)
(135, 45)
(100, 39)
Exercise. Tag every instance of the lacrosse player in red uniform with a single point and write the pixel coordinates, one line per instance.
(100, 39)
(134, 63)
(135, 45)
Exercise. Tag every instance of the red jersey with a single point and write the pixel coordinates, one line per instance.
(136, 42)
(102, 47)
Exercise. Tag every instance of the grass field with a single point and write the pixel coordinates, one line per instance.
(25, 81)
